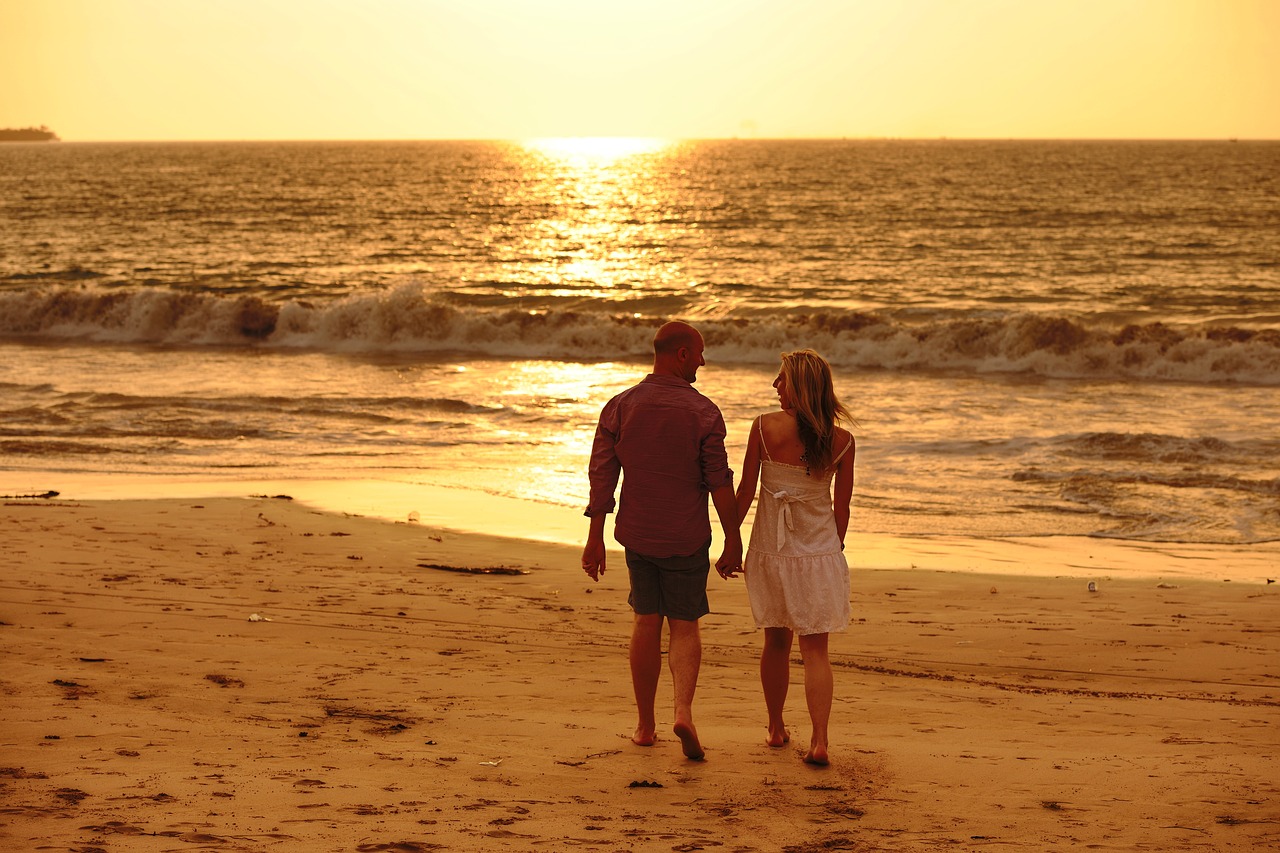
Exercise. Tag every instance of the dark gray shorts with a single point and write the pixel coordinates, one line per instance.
(675, 587)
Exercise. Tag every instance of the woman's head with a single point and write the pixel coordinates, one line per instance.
(806, 389)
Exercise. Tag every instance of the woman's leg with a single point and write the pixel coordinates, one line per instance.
(818, 690)
(775, 677)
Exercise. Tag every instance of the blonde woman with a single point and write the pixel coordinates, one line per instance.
(797, 577)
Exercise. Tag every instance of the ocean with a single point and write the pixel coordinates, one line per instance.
(1038, 339)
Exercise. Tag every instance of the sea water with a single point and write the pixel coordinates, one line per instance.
(1037, 338)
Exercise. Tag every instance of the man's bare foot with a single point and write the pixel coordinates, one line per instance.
(778, 738)
(817, 756)
(689, 741)
(644, 737)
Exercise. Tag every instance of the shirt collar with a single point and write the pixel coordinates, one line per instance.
(665, 379)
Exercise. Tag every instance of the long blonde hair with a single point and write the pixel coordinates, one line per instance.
(817, 409)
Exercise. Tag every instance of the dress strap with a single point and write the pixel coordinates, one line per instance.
(760, 429)
(842, 452)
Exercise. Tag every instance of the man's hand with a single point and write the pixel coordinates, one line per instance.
(593, 558)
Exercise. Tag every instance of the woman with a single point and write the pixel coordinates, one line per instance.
(797, 577)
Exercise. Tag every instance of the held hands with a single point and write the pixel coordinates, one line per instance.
(730, 562)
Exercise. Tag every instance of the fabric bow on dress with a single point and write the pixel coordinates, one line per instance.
(785, 500)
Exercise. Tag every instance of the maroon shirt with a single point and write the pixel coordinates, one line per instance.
(669, 441)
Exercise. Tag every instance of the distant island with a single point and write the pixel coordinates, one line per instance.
(28, 134)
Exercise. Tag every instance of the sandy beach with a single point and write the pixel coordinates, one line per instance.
(253, 673)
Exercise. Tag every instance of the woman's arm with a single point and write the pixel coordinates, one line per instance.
(750, 472)
(843, 495)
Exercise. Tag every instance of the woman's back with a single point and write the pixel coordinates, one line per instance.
(782, 441)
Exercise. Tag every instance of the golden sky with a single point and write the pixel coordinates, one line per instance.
(504, 69)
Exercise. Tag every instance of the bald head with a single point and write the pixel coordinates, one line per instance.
(677, 351)
(674, 335)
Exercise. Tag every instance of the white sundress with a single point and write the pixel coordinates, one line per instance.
(797, 576)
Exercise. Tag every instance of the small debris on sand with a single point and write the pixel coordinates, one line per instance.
(476, 570)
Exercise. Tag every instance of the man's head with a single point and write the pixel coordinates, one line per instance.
(677, 351)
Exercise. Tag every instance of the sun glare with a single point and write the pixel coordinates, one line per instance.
(595, 151)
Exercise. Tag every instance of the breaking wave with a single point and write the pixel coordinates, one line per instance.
(406, 320)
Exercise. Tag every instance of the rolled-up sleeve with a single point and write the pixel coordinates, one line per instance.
(605, 467)
(716, 472)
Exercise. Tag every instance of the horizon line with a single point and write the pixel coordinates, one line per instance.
(868, 138)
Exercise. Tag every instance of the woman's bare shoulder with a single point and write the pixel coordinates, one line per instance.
(778, 422)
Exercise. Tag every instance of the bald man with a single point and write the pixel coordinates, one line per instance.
(667, 441)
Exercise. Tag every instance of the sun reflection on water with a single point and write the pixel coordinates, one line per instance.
(603, 206)
(569, 396)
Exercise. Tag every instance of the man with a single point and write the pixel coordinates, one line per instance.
(669, 441)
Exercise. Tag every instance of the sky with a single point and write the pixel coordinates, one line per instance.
(697, 69)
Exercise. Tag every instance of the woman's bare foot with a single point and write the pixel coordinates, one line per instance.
(817, 756)
(778, 737)
(689, 741)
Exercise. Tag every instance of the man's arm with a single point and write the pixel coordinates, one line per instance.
(604, 471)
(726, 503)
(717, 477)
(593, 552)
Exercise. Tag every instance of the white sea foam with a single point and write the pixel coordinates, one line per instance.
(407, 320)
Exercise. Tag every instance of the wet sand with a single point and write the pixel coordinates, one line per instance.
(251, 674)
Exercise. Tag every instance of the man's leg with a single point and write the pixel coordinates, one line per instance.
(685, 658)
(646, 667)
